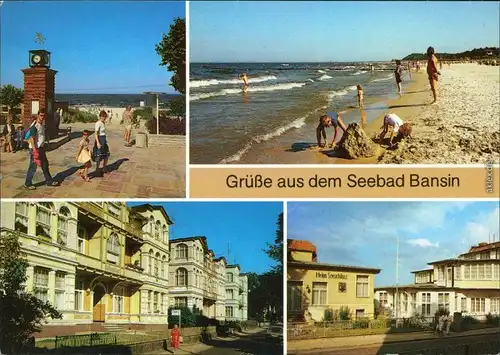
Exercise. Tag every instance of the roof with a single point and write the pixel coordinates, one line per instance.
(301, 245)
(221, 258)
(421, 286)
(452, 260)
(231, 266)
(149, 207)
(324, 266)
(483, 247)
(413, 272)
(202, 239)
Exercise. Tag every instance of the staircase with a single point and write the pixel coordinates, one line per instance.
(113, 327)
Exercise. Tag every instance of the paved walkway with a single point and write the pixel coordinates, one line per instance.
(367, 340)
(158, 172)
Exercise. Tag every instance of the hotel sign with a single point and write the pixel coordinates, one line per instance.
(331, 275)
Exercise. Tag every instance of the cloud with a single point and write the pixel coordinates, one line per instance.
(482, 227)
(422, 242)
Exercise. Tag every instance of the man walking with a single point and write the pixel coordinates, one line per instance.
(38, 156)
(128, 118)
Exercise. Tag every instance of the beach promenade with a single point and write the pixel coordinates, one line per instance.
(135, 172)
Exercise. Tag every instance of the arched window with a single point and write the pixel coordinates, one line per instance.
(62, 225)
(157, 262)
(43, 213)
(157, 230)
(165, 234)
(181, 276)
(181, 251)
(21, 223)
(150, 263)
(151, 225)
(229, 277)
(163, 267)
(113, 248)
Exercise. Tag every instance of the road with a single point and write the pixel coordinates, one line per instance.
(403, 347)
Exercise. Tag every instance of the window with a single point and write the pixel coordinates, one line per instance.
(181, 251)
(150, 263)
(114, 210)
(151, 225)
(60, 291)
(319, 293)
(150, 296)
(229, 312)
(426, 304)
(294, 296)
(41, 284)
(82, 238)
(473, 272)
(164, 302)
(360, 313)
(467, 272)
(463, 304)
(495, 305)
(43, 212)
(477, 305)
(480, 272)
(484, 256)
(157, 262)
(21, 224)
(157, 230)
(113, 248)
(165, 234)
(413, 297)
(229, 295)
(181, 276)
(79, 295)
(62, 225)
(156, 301)
(164, 267)
(444, 301)
(405, 302)
(230, 277)
(487, 271)
(362, 286)
(118, 300)
(440, 273)
(180, 301)
(383, 299)
(458, 273)
(496, 272)
(342, 287)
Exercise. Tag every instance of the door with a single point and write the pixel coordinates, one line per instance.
(99, 303)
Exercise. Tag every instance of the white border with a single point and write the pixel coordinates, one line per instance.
(187, 175)
(342, 166)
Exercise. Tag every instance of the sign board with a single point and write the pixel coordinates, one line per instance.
(330, 275)
(142, 104)
(176, 312)
(35, 106)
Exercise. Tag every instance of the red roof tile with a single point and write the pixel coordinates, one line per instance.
(301, 245)
(484, 247)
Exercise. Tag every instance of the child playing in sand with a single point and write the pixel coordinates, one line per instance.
(360, 96)
(395, 122)
(331, 119)
(83, 156)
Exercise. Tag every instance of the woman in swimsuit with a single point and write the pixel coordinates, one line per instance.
(432, 71)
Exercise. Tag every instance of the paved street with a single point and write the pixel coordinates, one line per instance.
(135, 172)
(453, 344)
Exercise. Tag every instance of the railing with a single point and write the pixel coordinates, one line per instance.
(95, 339)
(478, 348)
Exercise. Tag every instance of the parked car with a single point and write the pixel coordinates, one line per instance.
(275, 332)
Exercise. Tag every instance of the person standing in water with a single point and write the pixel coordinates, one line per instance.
(244, 78)
(432, 71)
(399, 75)
(360, 96)
(409, 69)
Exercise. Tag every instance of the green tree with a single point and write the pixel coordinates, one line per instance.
(11, 96)
(275, 251)
(172, 50)
(21, 313)
(178, 106)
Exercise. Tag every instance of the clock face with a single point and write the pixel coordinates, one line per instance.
(37, 59)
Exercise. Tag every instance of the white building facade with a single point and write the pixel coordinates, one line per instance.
(236, 294)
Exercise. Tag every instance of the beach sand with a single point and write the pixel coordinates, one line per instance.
(462, 127)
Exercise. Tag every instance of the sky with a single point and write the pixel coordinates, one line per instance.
(244, 227)
(96, 46)
(283, 31)
(365, 233)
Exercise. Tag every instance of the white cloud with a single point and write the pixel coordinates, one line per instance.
(422, 242)
(482, 227)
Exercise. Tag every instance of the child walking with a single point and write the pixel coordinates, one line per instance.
(20, 138)
(83, 156)
(360, 96)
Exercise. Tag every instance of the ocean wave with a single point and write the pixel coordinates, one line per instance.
(321, 71)
(312, 81)
(325, 77)
(297, 123)
(341, 92)
(284, 86)
(210, 82)
(384, 79)
(360, 72)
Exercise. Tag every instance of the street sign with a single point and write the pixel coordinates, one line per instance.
(176, 312)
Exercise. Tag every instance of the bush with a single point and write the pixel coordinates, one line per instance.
(328, 315)
(493, 319)
(361, 323)
(74, 115)
(174, 126)
(145, 113)
(343, 313)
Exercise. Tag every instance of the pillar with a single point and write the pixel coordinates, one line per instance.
(31, 218)
(52, 286)
(53, 226)
(39, 93)
(72, 241)
(70, 291)
(30, 273)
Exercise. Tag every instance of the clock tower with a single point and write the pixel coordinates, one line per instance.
(39, 90)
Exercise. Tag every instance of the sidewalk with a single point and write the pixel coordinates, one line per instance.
(136, 172)
(367, 340)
